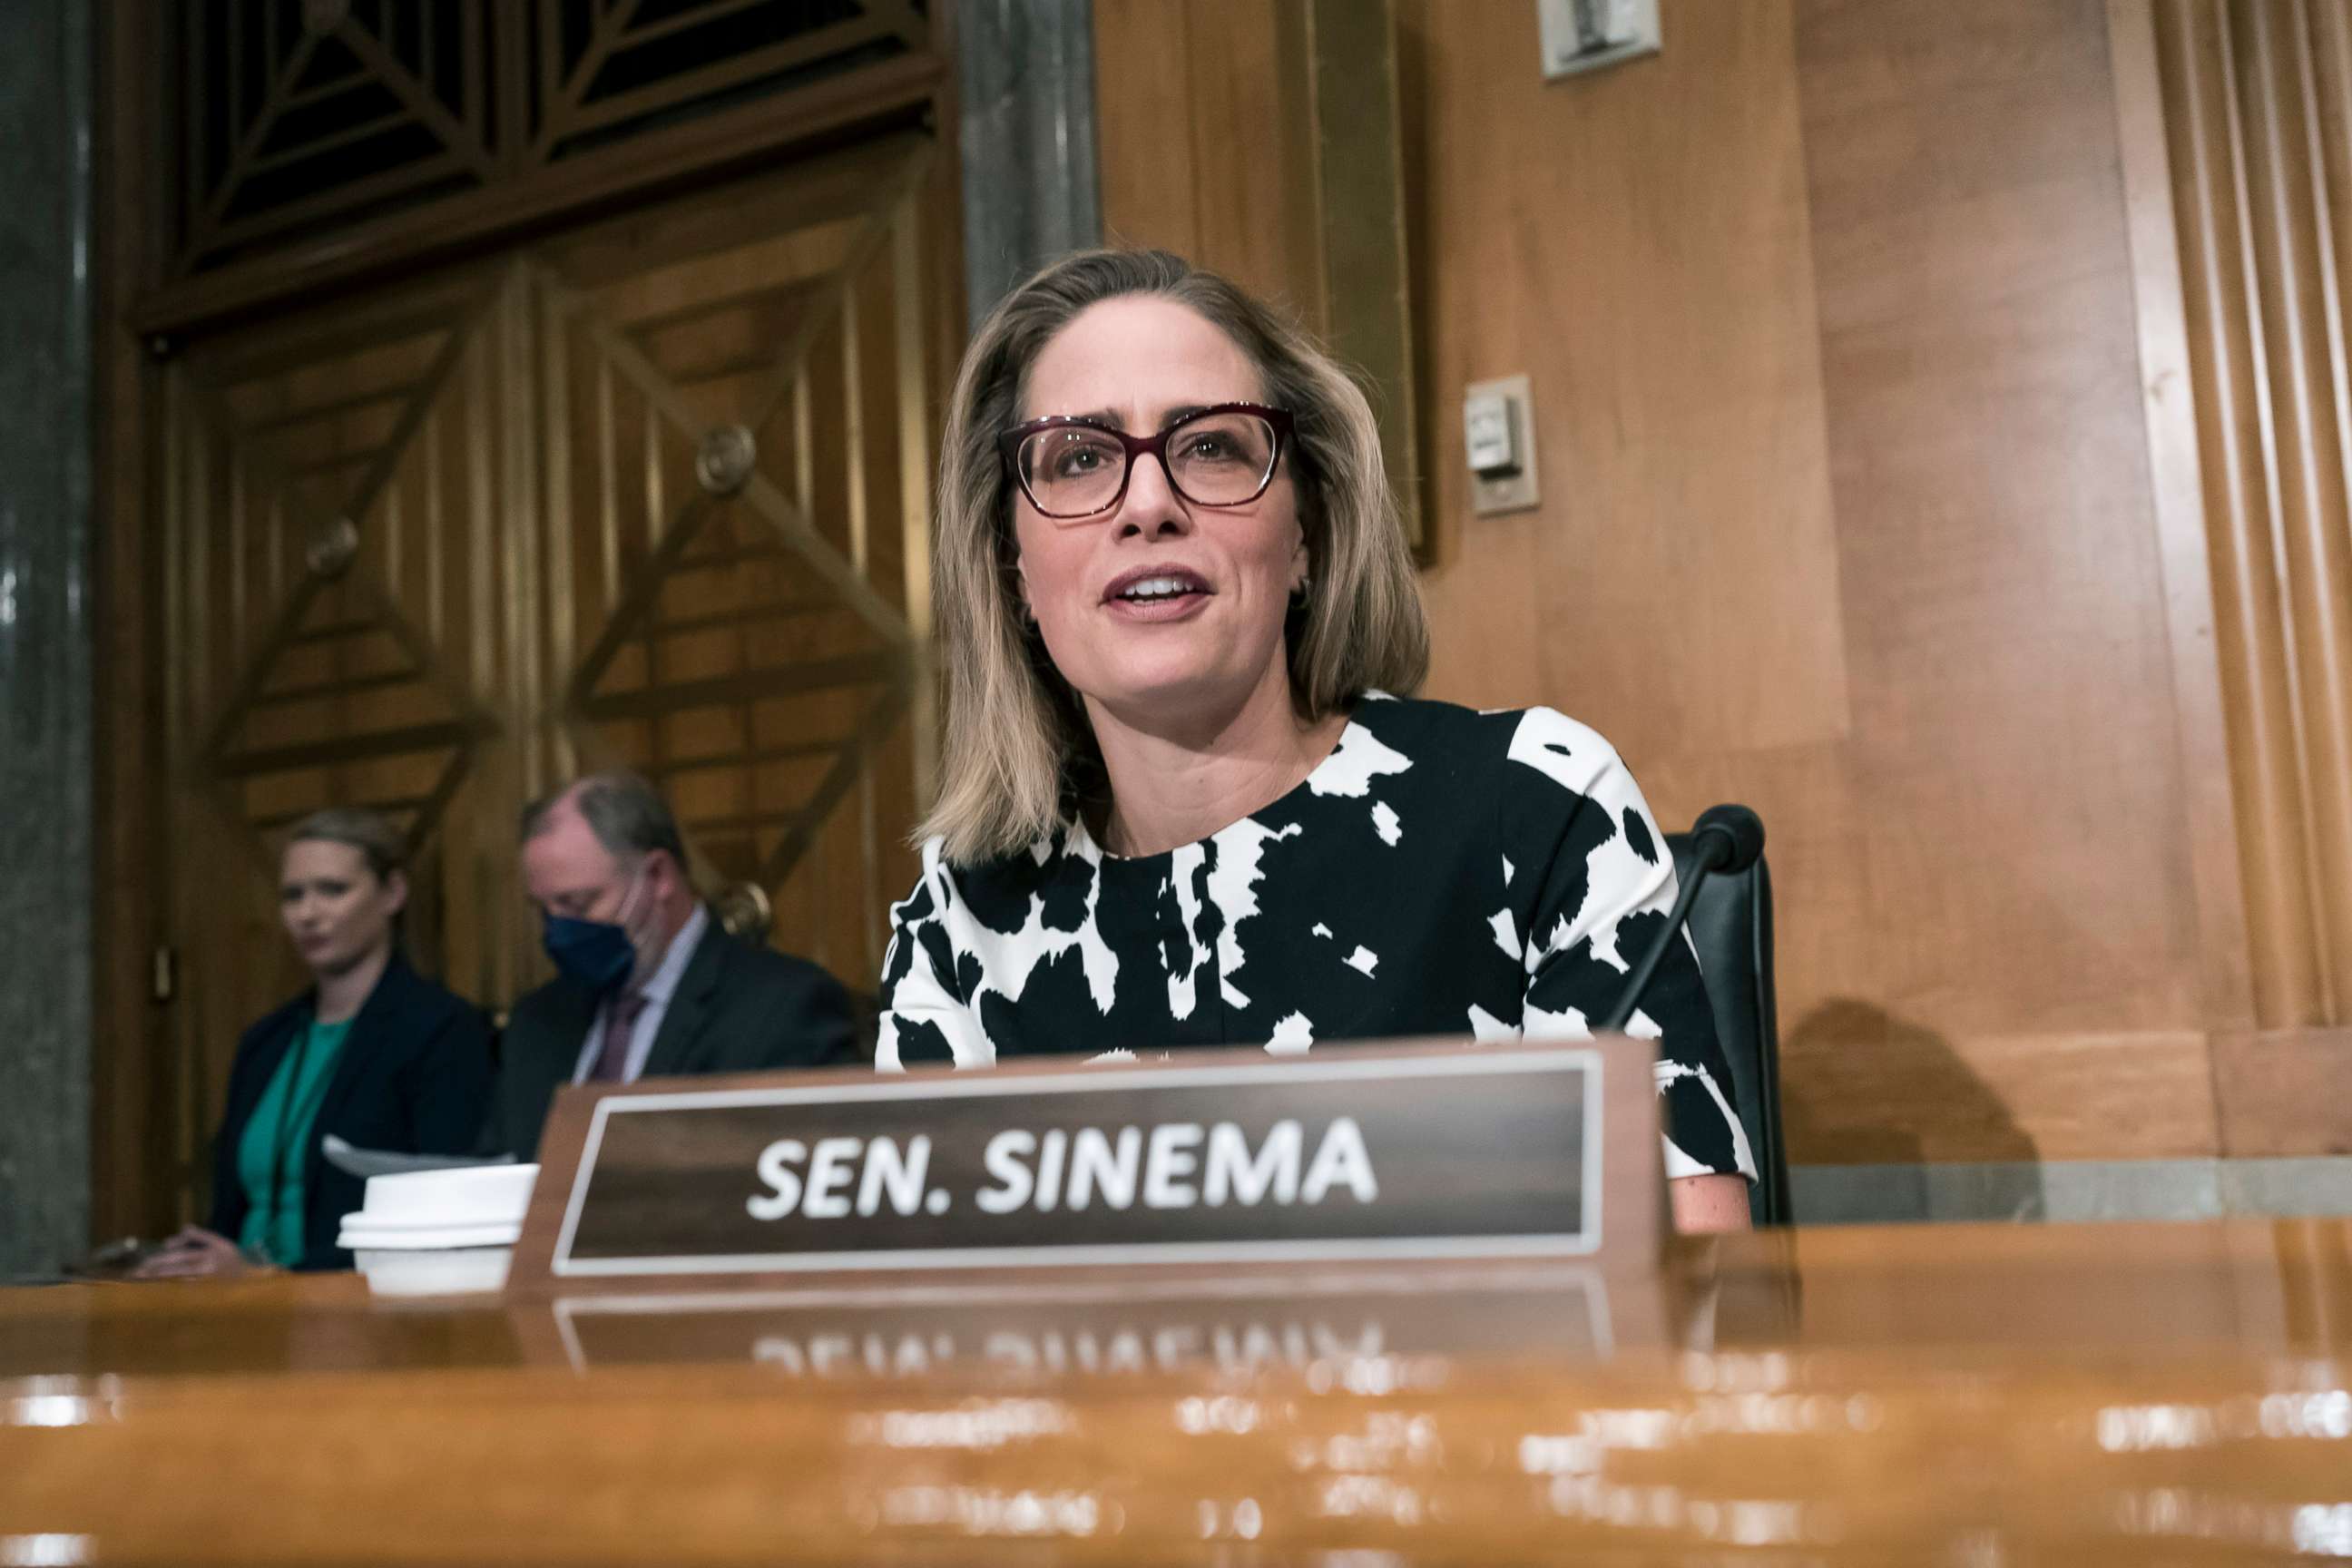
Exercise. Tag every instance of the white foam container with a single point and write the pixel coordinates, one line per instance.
(465, 1272)
(424, 1212)
(427, 1238)
(478, 1195)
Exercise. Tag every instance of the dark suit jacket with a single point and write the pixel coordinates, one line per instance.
(738, 1008)
(415, 1078)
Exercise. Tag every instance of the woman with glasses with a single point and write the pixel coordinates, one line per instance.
(372, 1052)
(1185, 799)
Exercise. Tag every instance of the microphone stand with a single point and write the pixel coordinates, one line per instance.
(1715, 848)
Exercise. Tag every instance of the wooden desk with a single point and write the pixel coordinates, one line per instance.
(1950, 1395)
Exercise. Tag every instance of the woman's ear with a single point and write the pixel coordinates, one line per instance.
(396, 892)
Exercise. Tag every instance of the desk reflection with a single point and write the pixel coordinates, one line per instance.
(1218, 1327)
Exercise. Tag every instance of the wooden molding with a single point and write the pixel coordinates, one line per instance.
(658, 162)
(2176, 483)
(2243, 105)
(1861, 1088)
(133, 1177)
(2280, 1092)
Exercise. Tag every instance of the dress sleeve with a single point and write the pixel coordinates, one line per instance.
(925, 1020)
(1602, 886)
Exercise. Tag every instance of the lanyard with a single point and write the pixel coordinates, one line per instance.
(281, 1151)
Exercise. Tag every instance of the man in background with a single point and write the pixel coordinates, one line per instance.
(647, 985)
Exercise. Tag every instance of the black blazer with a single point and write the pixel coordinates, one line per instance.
(413, 1078)
(738, 1008)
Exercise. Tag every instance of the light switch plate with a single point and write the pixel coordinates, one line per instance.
(1490, 434)
(1515, 491)
(1586, 34)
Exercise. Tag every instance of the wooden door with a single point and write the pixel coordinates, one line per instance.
(648, 494)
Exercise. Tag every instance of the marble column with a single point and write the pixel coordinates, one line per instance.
(45, 605)
(1026, 68)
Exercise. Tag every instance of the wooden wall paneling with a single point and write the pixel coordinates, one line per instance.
(1252, 187)
(2232, 437)
(1202, 124)
(2257, 108)
(216, 903)
(2018, 783)
(761, 655)
(872, 866)
(1943, 410)
(1602, 235)
(1144, 124)
(1885, 1087)
(2301, 321)
(2331, 49)
(1205, 117)
(2177, 481)
(1914, 847)
(649, 494)
(1830, 312)
(321, 663)
(277, 686)
(134, 1136)
(1356, 229)
(1639, 242)
(929, 314)
(2331, 60)
(530, 686)
(2281, 1092)
(593, 146)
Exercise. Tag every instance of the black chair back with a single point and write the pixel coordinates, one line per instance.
(1731, 925)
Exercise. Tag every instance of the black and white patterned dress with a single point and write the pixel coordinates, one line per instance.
(1443, 872)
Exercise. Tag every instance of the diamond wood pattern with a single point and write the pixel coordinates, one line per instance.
(346, 699)
(331, 598)
(651, 494)
(303, 119)
(742, 457)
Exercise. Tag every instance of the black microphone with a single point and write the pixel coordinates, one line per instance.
(1726, 838)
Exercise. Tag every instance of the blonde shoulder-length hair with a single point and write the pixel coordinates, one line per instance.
(1019, 756)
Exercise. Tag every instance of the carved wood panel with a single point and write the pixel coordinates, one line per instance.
(651, 494)
(738, 441)
(297, 121)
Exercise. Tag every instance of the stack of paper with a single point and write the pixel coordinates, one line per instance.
(439, 1232)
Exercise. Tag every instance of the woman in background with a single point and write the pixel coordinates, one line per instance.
(374, 1053)
(1180, 805)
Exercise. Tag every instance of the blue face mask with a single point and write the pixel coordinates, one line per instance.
(593, 953)
(597, 954)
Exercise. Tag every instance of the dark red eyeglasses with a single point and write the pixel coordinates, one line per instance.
(1071, 468)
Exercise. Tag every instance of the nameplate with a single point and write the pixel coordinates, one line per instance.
(1228, 1157)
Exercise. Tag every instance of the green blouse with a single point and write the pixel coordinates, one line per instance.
(272, 1156)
